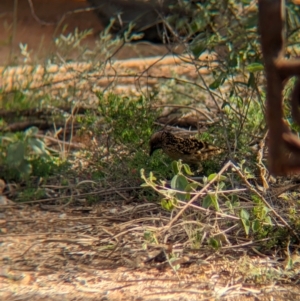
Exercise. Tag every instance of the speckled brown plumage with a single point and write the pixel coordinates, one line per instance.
(189, 150)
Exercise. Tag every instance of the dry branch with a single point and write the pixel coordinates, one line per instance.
(284, 146)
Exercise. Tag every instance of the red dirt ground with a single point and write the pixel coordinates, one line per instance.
(54, 16)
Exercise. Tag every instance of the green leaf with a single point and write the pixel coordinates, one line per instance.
(234, 198)
(191, 187)
(251, 80)
(187, 169)
(211, 176)
(31, 131)
(256, 199)
(175, 167)
(163, 183)
(233, 62)
(207, 202)
(37, 146)
(251, 21)
(220, 177)
(244, 214)
(225, 103)
(265, 211)
(215, 243)
(167, 204)
(221, 185)
(246, 224)
(169, 192)
(289, 263)
(25, 168)
(228, 205)
(214, 200)
(268, 220)
(247, 2)
(16, 153)
(255, 225)
(218, 82)
(179, 182)
(198, 46)
(152, 177)
(255, 67)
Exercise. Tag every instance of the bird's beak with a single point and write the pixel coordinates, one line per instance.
(151, 151)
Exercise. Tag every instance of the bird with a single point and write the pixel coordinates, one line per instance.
(189, 150)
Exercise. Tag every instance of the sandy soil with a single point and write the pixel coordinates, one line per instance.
(95, 253)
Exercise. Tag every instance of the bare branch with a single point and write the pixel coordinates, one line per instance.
(284, 146)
